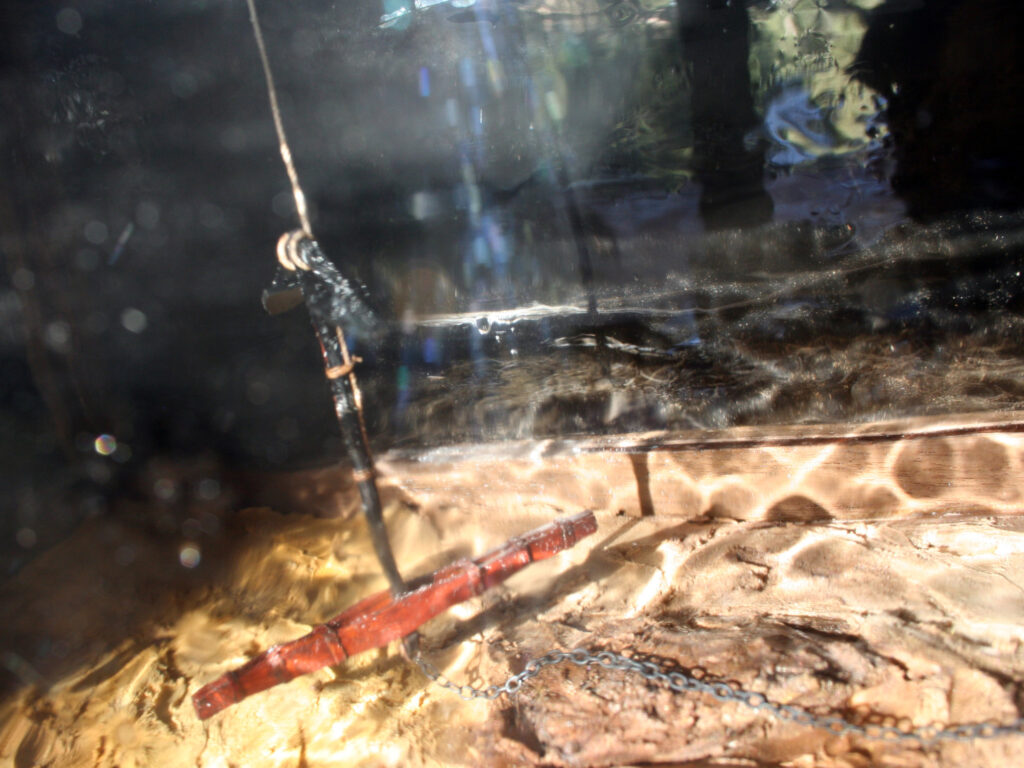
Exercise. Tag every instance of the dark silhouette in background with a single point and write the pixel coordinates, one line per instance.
(715, 36)
(139, 216)
(952, 72)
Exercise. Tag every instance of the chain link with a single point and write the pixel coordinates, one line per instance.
(890, 729)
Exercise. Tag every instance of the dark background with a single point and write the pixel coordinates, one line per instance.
(144, 193)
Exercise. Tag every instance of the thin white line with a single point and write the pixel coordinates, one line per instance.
(286, 152)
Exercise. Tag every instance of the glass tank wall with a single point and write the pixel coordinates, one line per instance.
(569, 218)
(606, 253)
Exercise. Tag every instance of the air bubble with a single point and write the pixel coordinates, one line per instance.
(26, 538)
(483, 324)
(95, 232)
(124, 555)
(165, 489)
(105, 445)
(69, 21)
(209, 487)
(189, 555)
(23, 279)
(58, 337)
(134, 320)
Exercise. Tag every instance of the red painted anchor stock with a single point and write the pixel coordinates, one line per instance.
(379, 619)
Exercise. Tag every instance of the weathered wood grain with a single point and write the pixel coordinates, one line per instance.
(868, 578)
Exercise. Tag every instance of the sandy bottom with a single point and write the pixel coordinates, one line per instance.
(867, 579)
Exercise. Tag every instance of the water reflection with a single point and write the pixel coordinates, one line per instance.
(720, 189)
(707, 186)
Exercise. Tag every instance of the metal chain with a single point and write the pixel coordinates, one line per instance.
(891, 729)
